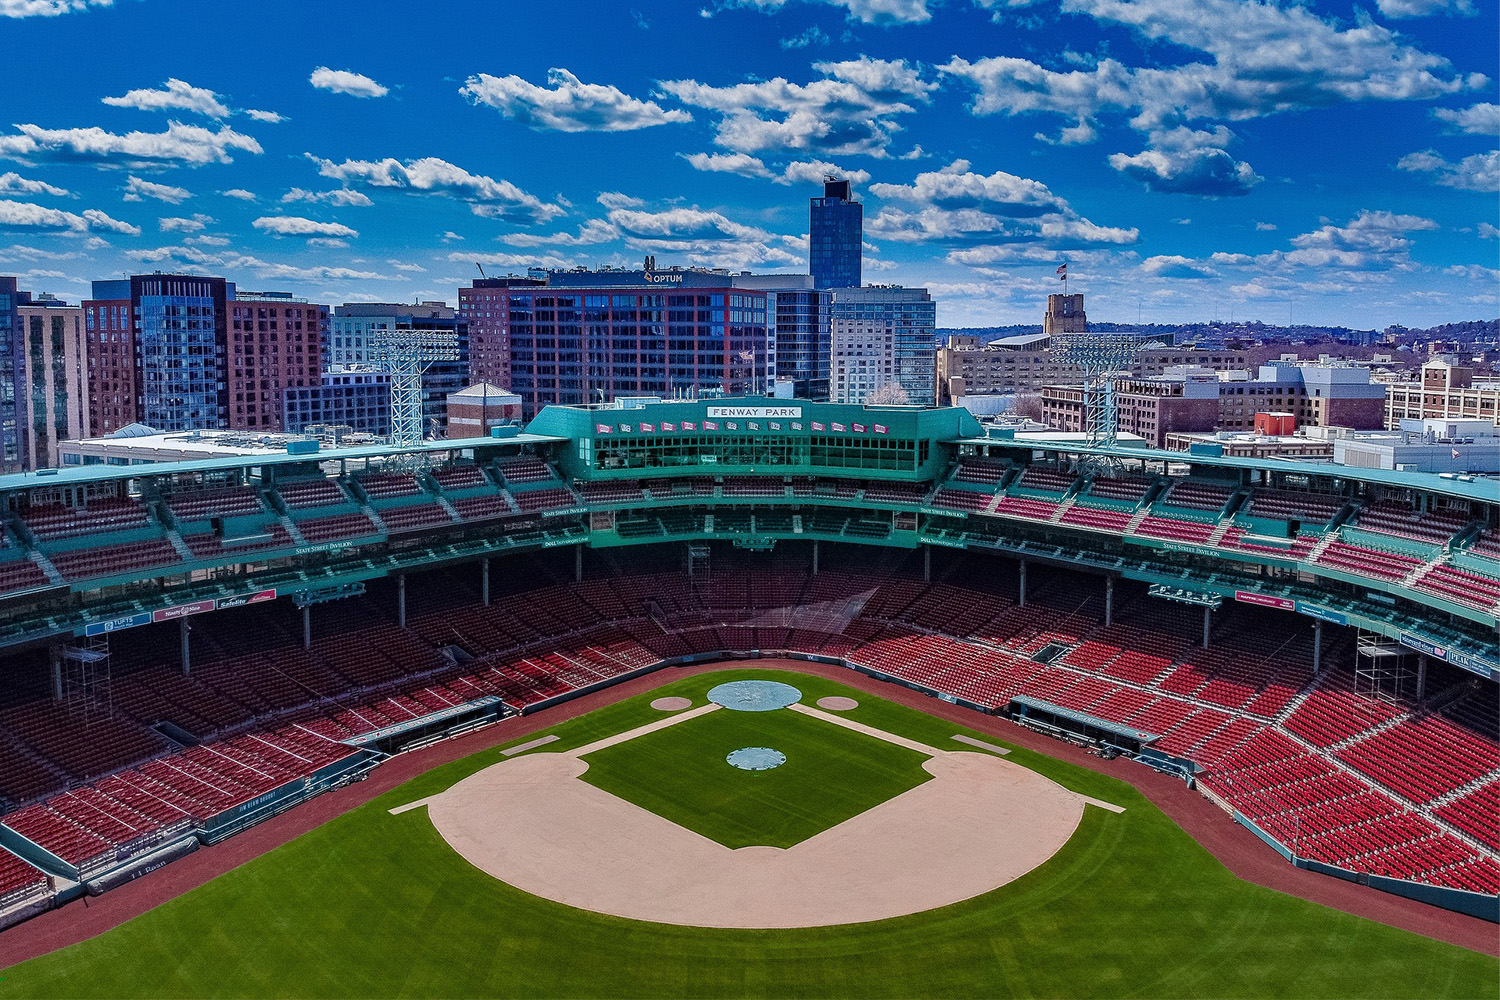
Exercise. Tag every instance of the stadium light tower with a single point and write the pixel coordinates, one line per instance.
(406, 354)
(1102, 356)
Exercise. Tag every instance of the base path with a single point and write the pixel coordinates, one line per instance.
(979, 823)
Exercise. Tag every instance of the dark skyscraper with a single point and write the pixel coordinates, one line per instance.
(835, 237)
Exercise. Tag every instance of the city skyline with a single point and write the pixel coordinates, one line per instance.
(1319, 164)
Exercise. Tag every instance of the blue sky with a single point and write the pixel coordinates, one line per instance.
(1190, 159)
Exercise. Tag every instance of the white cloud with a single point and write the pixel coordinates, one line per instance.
(451, 237)
(1423, 8)
(338, 196)
(681, 224)
(867, 11)
(47, 8)
(796, 172)
(402, 266)
(1477, 119)
(175, 95)
(327, 241)
(614, 199)
(24, 215)
(17, 251)
(1264, 59)
(343, 81)
(1188, 161)
(567, 104)
(137, 189)
(852, 110)
(14, 183)
(510, 260)
(1480, 172)
(239, 194)
(1488, 231)
(208, 241)
(486, 196)
(292, 225)
(592, 232)
(189, 145)
(194, 224)
(266, 116)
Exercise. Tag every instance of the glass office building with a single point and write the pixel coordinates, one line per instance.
(835, 238)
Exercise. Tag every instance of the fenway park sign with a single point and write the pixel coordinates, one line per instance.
(755, 412)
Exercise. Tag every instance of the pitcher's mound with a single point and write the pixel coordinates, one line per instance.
(837, 703)
(671, 704)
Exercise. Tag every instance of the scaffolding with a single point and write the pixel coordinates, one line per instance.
(82, 677)
(697, 561)
(1383, 669)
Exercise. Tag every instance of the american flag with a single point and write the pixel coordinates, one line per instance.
(1062, 270)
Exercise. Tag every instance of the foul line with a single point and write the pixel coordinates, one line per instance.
(409, 806)
(981, 744)
(532, 745)
(860, 727)
(649, 727)
(1102, 804)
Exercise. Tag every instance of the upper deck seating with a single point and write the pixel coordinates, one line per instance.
(1432, 527)
(525, 469)
(101, 515)
(1198, 494)
(227, 501)
(303, 493)
(1287, 505)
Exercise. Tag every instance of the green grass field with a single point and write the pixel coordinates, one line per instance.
(830, 775)
(377, 905)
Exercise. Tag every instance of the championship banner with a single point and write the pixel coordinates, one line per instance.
(839, 427)
(648, 428)
(691, 425)
(625, 428)
(752, 425)
(881, 429)
(796, 425)
(732, 424)
(818, 427)
(666, 427)
(775, 425)
(710, 425)
(603, 429)
(859, 428)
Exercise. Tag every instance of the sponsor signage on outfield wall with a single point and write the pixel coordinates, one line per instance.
(1264, 600)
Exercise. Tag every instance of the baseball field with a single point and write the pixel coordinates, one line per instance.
(400, 896)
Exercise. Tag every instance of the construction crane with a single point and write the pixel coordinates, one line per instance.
(406, 355)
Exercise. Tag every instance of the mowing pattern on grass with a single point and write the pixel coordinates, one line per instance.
(831, 774)
(375, 905)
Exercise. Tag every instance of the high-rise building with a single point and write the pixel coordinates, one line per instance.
(53, 370)
(10, 390)
(798, 315)
(587, 336)
(835, 237)
(363, 324)
(359, 399)
(882, 335)
(483, 306)
(188, 352)
(113, 395)
(181, 349)
(275, 344)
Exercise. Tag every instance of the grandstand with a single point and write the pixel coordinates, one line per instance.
(188, 648)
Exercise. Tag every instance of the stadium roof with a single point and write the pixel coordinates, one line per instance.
(1481, 488)
(103, 473)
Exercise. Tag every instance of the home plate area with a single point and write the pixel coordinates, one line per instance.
(960, 824)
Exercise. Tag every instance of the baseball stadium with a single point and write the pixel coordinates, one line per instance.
(748, 696)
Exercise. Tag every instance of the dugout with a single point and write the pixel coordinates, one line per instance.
(1077, 727)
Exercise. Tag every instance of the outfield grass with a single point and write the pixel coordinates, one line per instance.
(831, 774)
(377, 905)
